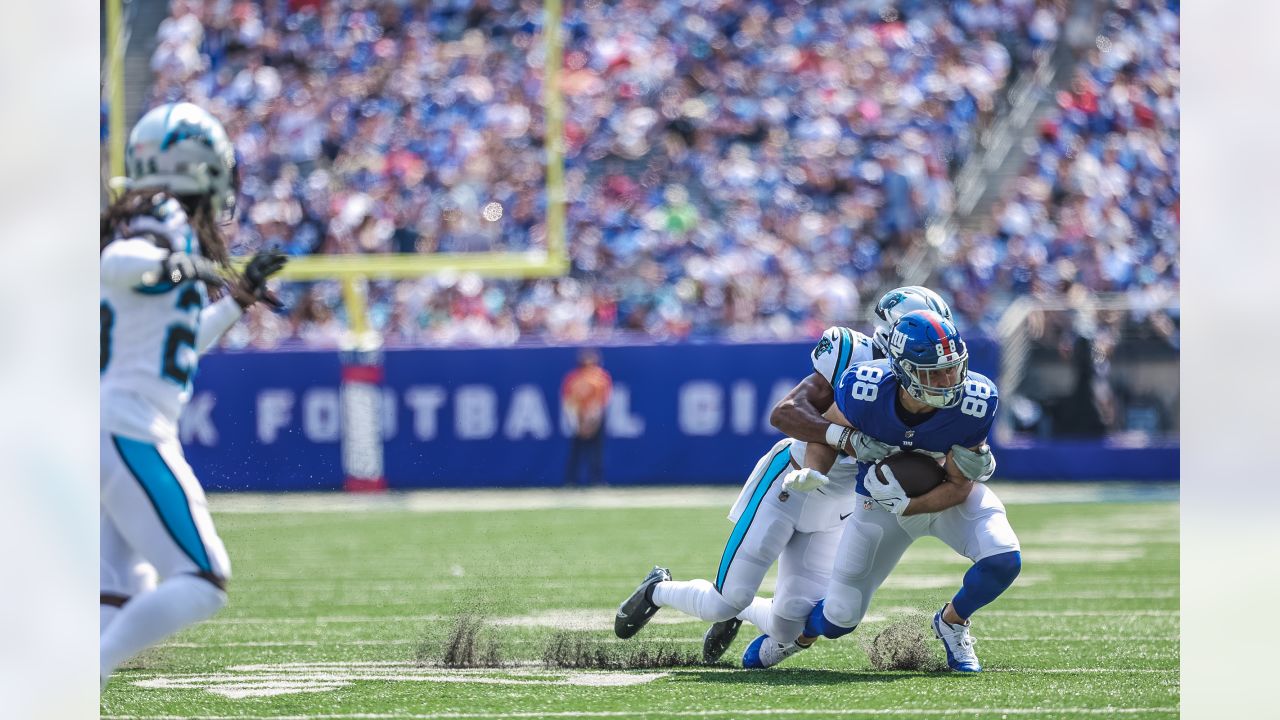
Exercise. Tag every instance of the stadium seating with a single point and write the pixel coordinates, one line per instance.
(749, 170)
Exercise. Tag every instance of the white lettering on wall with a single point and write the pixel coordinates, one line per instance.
(425, 401)
(700, 408)
(275, 410)
(779, 391)
(475, 412)
(320, 416)
(196, 424)
(619, 422)
(742, 407)
(527, 416)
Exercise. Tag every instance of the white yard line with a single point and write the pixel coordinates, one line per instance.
(719, 496)
(765, 712)
(1118, 637)
(551, 618)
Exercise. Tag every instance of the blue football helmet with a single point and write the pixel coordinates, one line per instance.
(900, 301)
(929, 358)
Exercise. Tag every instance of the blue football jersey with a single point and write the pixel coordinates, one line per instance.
(867, 393)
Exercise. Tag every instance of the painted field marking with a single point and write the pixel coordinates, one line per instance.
(766, 712)
(268, 680)
(271, 679)
(1120, 637)
(718, 496)
(602, 618)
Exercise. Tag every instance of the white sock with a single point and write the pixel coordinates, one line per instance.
(176, 603)
(760, 614)
(698, 598)
(106, 613)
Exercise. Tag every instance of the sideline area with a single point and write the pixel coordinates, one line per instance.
(679, 496)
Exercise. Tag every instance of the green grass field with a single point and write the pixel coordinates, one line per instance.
(343, 615)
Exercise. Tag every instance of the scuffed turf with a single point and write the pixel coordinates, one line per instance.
(906, 644)
(343, 614)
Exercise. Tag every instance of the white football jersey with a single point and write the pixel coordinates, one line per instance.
(837, 349)
(151, 333)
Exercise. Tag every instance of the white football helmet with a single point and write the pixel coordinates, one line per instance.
(184, 150)
(900, 301)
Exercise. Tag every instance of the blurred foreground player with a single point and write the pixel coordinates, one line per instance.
(799, 530)
(162, 258)
(922, 398)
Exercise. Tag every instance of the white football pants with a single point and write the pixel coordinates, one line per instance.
(153, 510)
(874, 540)
(798, 530)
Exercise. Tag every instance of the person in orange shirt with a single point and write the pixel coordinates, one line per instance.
(584, 395)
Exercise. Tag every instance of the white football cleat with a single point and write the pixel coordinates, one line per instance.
(764, 652)
(958, 642)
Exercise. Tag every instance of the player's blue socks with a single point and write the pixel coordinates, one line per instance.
(819, 626)
(984, 582)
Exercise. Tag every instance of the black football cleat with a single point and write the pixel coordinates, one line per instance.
(635, 611)
(718, 639)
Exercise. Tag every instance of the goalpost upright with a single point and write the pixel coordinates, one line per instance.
(362, 373)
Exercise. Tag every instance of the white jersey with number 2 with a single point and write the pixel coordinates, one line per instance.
(153, 330)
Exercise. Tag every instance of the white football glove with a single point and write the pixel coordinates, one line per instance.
(868, 449)
(977, 465)
(804, 480)
(888, 495)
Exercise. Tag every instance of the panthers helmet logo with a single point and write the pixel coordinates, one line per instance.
(186, 130)
(888, 302)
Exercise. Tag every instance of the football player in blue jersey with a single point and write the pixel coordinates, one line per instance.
(798, 530)
(921, 398)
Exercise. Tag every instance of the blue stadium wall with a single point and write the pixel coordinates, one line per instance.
(688, 413)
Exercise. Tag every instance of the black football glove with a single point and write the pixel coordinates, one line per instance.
(180, 267)
(253, 284)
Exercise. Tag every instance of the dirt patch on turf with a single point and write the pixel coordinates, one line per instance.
(469, 643)
(584, 652)
(905, 645)
(470, 640)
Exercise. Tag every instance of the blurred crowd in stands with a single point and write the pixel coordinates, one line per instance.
(1097, 207)
(744, 169)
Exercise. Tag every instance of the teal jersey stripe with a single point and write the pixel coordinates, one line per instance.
(771, 473)
(166, 495)
(846, 354)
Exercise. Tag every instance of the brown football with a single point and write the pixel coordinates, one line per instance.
(917, 473)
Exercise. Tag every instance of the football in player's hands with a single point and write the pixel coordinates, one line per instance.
(916, 473)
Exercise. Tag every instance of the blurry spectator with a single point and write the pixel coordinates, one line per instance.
(1081, 412)
(718, 155)
(1098, 203)
(584, 395)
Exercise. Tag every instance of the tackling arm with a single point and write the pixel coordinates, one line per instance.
(800, 413)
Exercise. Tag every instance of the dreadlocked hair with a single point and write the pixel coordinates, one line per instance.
(133, 203)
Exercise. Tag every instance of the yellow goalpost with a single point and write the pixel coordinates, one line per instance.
(355, 270)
